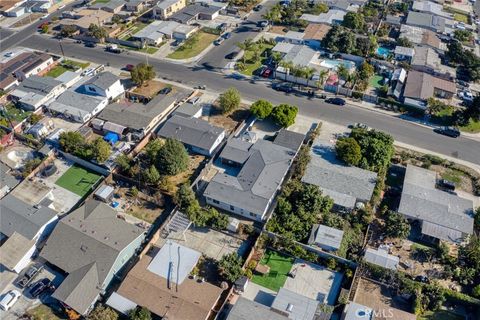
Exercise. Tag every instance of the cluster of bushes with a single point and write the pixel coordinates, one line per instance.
(283, 114)
(73, 142)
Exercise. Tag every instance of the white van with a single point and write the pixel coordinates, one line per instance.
(9, 299)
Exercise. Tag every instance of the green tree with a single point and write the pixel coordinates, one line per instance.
(396, 226)
(101, 150)
(463, 35)
(353, 20)
(68, 30)
(35, 118)
(319, 8)
(97, 32)
(45, 28)
(284, 114)
(246, 45)
(348, 150)
(339, 39)
(377, 148)
(230, 266)
(123, 161)
(476, 291)
(261, 109)
(152, 148)
(140, 313)
(220, 221)
(142, 73)
(404, 42)
(366, 46)
(185, 196)
(71, 141)
(229, 101)
(366, 71)
(102, 313)
(172, 158)
(30, 165)
(151, 175)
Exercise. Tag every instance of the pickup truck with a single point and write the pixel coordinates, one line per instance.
(28, 277)
(113, 49)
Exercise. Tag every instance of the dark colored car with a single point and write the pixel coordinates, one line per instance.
(165, 90)
(40, 287)
(90, 44)
(231, 55)
(284, 87)
(336, 101)
(446, 185)
(129, 67)
(28, 277)
(227, 35)
(447, 131)
(258, 7)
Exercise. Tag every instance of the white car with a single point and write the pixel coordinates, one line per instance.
(466, 95)
(8, 54)
(88, 72)
(9, 299)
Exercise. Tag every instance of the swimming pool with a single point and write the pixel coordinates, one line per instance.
(384, 52)
(333, 64)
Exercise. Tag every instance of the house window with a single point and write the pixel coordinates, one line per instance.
(216, 201)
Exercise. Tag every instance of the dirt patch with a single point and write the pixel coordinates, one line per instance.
(27, 20)
(144, 207)
(150, 88)
(277, 30)
(228, 122)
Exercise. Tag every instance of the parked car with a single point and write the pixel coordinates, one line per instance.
(231, 55)
(201, 87)
(258, 7)
(262, 23)
(40, 287)
(129, 67)
(284, 87)
(266, 73)
(336, 101)
(8, 54)
(113, 48)
(227, 35)
(219, 41)
(78, 41)
(165, 90)
(193, 100)
(28, 277)
(463, 83)
(465, 95)
(448, 131)
(446, 185)
(90, 44)
(9, 299)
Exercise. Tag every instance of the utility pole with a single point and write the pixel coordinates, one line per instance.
(61, 47)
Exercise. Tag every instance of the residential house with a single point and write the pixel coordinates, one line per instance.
(420, 86)
(157, 31)
(36, 91)
(348, 186)
(431, 7)
(332, 17)
(7, 180)
(91, 245)
(422, 37)
(189, 110)
(112, 6)
(244, 308)
(312, 36)
(135, 5)
(165, 8)
(105, 84)
(82, 19)
(8, 7)
(403, 53)
(78, 107)
(263, 167)
(397, 82)
(26, 226)
(382, 258)
(294, 305)
(22, 66)
(428, 60)
(138, 119)
(151, 284)
(442, 215)
(194, 12)
(428, 21)
(393, 20)
(327, 238)
(196, 134)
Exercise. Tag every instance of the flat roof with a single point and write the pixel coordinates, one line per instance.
(330, 237)
(297, 307)
(382, 258)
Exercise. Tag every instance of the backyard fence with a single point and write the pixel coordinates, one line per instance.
(85, 163)
(127, 43)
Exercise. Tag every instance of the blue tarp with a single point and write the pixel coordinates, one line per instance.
(111, 137)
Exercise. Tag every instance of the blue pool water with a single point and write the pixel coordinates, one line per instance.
(384, 52)
(333, 64)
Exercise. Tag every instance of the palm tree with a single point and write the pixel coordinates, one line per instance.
(288, 66)
(342, 71)
(308, 73)
(322, 77)
(246, 45)
(276, 57)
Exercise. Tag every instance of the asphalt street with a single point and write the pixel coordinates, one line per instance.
(402, 130)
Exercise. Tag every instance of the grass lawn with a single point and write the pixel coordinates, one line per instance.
(78, 180)
(440, 315)
(251, 66)
(15, 114)
(101, 1)
(137, 27)
(55, 72)
(82, 65)
(43, 312)
(185, 52)
(452, 175)
(376, 81)
(280, 266)
(472, 127)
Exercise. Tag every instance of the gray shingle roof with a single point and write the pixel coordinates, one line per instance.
(74, 101)
(344, 184)
(289, 139)
(6, 179)
(103, 80)
(18, 216)
(188, 110)
(421, 200)
(93, 236)
(257, 181)
(297, 307)
(328, 237)
(137, 115)
(236, 150)
(426, 20)
(380, 257)
(40, 85)
(246, 309)
(191, 131)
